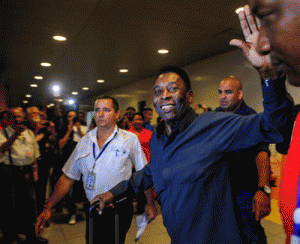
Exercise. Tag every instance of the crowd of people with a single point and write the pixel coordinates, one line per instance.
(194, 161)
(37, 145)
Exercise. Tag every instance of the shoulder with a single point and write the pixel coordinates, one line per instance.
(127, 138)
(246, 110)
(87, 138)
(29, 132)
(127, 135)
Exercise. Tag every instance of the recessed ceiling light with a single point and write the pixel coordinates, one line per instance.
(60, 100)
(74, 93)
(56, 88)
(51, 104)
(85, 88)
(239, 9)
(59, 38)
(123, 70)
(38, 77)
(34, 85)
(28, 95)
(163, 51)
(46, 64)
(25, 101)
(100, 81)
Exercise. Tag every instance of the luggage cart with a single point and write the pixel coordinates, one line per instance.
(91, 225)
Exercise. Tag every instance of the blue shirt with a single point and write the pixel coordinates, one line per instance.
(244, 173)
(190, 176)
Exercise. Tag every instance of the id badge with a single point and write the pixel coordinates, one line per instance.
(91, 181)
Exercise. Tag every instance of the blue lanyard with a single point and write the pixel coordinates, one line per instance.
(94, 150)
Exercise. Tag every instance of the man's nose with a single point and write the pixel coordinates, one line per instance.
(222, 95)
(263, 43)
(165, 94)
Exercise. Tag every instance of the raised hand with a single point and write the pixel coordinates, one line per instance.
(251, 29)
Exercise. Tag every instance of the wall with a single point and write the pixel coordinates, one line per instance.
(205, 78)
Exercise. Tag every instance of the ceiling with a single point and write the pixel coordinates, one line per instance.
(104, 36)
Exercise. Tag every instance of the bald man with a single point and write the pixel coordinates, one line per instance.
(249, 168)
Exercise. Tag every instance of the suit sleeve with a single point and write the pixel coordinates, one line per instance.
(140, 181)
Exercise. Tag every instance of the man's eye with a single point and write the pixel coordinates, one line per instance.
(158, 92)
(173, 89)
(266, 17)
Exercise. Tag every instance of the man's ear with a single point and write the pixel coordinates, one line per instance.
(241, 94)
(190, 97)
(118, 114)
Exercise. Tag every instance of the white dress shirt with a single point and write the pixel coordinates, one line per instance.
(24, 150)
(123, 150)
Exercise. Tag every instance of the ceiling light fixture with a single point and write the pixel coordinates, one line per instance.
(25, 101)
(56, 88)
(123, 70)
(60, 100)
(71, 101)
(59, 38)
(34, 85)
(85, 88)
(163, 51)
(74, 93)
(38, 77)
(28, 95)
(100, 81)
(46, 64)
(239, 9)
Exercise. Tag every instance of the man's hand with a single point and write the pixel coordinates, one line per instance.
(151, 212)
(39, 137)
(42, 220)
(251, 30)
(70, 126)
(103, 200)
(261, 205)
(77, 124)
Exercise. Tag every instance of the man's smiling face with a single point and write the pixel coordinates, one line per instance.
(171, 99)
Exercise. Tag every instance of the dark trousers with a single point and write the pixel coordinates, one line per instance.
(252, 229)
(104, 225)
(17, 205)
(44, 166)
(76, 194)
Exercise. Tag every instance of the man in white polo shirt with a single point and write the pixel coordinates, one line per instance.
(103, 157)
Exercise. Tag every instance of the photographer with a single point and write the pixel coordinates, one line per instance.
(72, 131)
(46, 136)
(126, 121)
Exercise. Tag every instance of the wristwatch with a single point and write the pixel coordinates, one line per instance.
(265, 189)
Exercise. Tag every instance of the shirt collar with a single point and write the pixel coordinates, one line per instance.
(240, 108)
(180, 125)
(93, 134)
